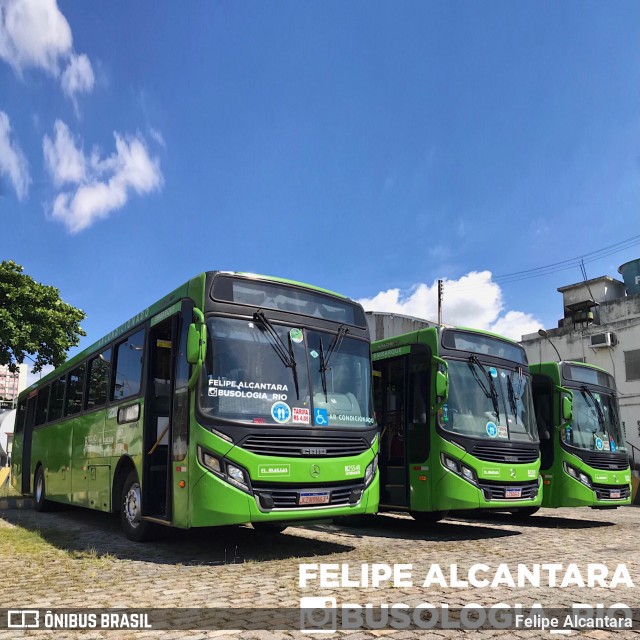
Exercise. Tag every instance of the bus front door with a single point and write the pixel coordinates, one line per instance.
(156, 473)
(391, 397)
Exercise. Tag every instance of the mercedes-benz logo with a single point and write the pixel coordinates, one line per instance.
(314, 471)
(512, 472)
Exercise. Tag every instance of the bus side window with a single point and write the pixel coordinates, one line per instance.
(42, 406)
(75, 390)
(128, 365)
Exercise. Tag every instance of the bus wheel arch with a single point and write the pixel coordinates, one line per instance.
(123, 468)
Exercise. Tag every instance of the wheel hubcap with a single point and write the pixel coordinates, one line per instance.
(132, 505)
(39, 488)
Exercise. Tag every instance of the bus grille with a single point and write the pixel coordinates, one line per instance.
(271, 496)
(517, 455)
(497, 490)
(603, 491)
(304, 446)
(608, 461)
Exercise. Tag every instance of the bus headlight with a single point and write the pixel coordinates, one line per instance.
(457, 467)
(370, 471)
(228, 471)
(577, 475)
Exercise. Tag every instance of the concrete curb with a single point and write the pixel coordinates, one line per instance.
(15, 503)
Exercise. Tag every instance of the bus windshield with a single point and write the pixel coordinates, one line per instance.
(489, 402)
(596, 422)
(263, 373)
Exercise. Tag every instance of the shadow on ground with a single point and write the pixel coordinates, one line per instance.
(77, 530)
(388, 526)
(540, 520)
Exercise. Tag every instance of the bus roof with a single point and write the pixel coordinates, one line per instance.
(193, 288)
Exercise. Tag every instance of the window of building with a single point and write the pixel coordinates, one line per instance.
(128, 363)
(98, 380)
(632, 364)
(75, 384)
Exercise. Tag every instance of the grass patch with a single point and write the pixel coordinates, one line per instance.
(16, 540)
(7, 491)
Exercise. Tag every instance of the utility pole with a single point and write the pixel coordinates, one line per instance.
(440, 288)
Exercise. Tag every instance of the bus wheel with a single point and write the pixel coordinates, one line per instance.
(134, 527)
(428, 517)
(39, 495)
(268, 527)
(525, 512)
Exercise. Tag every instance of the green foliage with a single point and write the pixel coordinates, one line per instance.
(34, 320)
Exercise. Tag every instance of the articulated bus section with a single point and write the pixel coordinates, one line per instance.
(458, 428)
(584, 455)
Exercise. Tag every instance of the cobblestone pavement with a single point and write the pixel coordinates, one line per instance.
(78, 558)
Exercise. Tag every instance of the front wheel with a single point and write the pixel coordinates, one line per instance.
(40, 503)
(134, 527)
(428, 517)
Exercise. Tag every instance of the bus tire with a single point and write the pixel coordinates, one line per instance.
(40, 503)
(428, 517)
(134, 527)
(271, 528)
(525, 512)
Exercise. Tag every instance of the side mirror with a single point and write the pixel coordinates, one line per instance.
(193, 344)
(567, 409)
(442, 384)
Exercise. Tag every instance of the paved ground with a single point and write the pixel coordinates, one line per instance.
(77, 558)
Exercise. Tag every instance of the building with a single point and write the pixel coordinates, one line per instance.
(384, 325)
(601, 326)
(11, 384)
(7, 421)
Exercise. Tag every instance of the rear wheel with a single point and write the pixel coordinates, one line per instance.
(40, 503)
(134, 527)
(428, 517)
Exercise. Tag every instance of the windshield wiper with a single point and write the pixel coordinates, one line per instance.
(334, 347)
(587, 392)
(285, 352)
(513, 396)
(491, 392)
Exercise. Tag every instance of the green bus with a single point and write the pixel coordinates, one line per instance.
(235, 399)
(458, 427)
(584, 456)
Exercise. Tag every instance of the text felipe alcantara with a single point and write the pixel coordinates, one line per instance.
(319, 612)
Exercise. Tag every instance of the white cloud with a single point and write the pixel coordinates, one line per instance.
(35, 33)
(473, 301)
(13, 162)
(78, 76)
(65, 161)
(100, 185)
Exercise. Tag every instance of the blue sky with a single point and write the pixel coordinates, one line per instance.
(366, 147)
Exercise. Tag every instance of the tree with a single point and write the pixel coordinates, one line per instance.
(34, 320)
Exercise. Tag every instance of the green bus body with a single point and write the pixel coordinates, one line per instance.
(244, 432)
(434, 457)
(584, 462)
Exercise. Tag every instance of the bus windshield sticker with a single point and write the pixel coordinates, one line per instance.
(493, 371)
(503, 432)
(314, 354)
(301, 415)
(492, 430)
(321, 417)
(599, 444)
(296, 335)
(281, 412)
(612, 445)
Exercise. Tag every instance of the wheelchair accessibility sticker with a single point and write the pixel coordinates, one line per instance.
(321, 417)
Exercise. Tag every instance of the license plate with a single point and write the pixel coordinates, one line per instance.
(314, 498)
(513, 493)
(615, 495)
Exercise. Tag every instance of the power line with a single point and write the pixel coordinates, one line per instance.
(555, 267)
